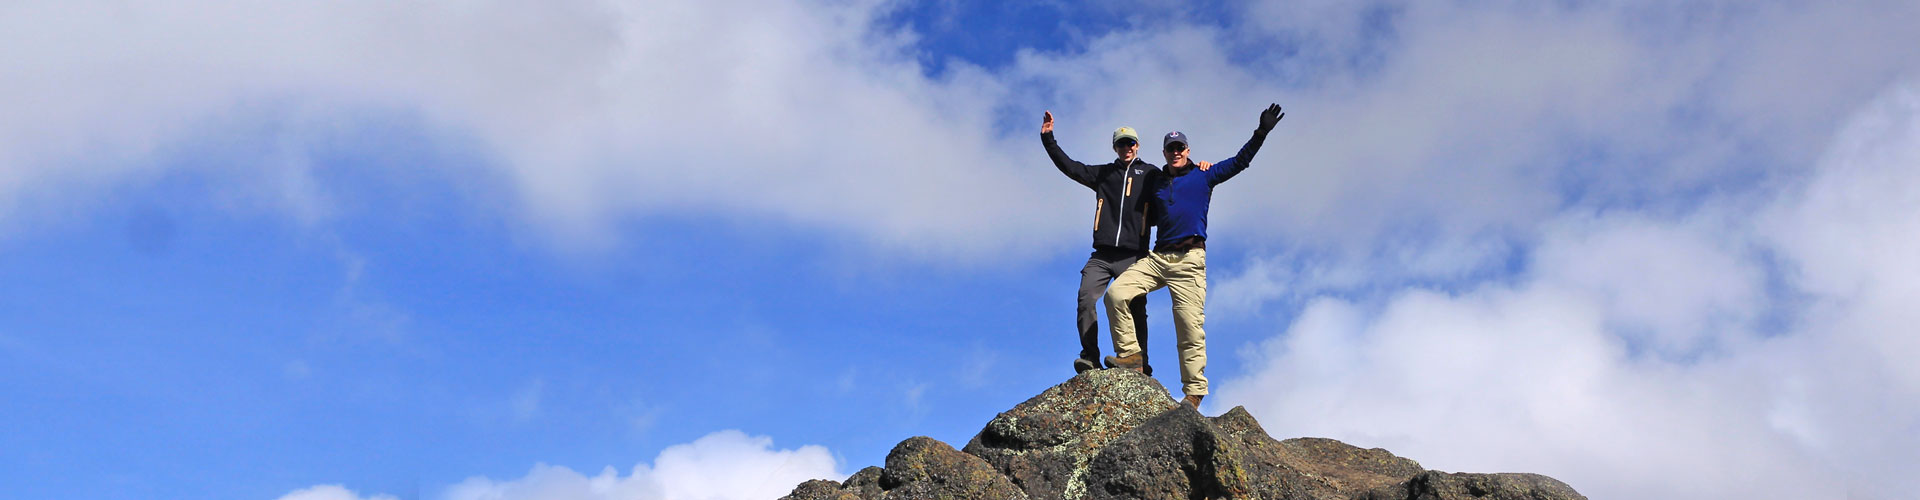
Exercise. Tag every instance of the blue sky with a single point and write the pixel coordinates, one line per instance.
(603, 249)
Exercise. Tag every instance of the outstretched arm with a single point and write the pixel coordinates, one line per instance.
(1079, 172)
(1239, 162)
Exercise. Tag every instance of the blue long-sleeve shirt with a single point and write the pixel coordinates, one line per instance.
(1181, 196)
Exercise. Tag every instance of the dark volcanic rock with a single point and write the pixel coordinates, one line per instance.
(1118, 434)
(1175, 455)
(1180, 454)
(865, 484)
(923, 467)
(820, 489)
(1363, 467)
(1309, 467)
(1045, 443)
(918, 468)
(1436, 485)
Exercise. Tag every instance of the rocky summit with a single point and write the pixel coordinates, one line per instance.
(1119, 434)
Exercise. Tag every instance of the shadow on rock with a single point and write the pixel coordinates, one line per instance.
(1118, 434)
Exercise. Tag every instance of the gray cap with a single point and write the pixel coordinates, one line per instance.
(1173, 137)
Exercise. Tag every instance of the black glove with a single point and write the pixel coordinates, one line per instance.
(1270, 117)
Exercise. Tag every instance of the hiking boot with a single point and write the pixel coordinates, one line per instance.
(1193, 400)
(1133, 362)
(1081, 365)
(1145, 366)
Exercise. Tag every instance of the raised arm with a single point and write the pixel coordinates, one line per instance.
(1230, 167)
(1079, 172)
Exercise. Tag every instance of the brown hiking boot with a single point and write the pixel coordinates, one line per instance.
(1133, 362)
(1193, 400)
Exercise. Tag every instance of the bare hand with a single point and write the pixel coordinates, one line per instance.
(1046, 124)
(1204, 165)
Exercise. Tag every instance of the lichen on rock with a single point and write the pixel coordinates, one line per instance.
(1119, 434)
(1045, 443)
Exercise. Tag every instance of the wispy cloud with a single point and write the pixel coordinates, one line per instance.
(526, 401)
(297, 369)
(977, 366)
(331, 492)
(847, 381)
(914, 396)
(1637, 357)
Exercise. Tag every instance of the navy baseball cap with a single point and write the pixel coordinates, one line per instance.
(1173, 137)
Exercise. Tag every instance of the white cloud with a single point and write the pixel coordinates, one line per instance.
(1462, 120)
(1422, 138)
(592, 111)
(1673, 284)
(1295, 275)
(1853, 231)
(1635, 360)
(724, 465)
(330, 492)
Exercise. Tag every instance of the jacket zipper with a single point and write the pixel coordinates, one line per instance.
(1125, 173)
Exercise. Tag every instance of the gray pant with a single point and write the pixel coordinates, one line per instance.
(1101, 268)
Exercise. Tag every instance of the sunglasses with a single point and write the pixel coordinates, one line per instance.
(1176, 147)
(1124, 143)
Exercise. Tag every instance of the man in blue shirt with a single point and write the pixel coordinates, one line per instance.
(1178, 261)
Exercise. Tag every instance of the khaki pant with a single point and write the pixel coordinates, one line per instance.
(1184, 275)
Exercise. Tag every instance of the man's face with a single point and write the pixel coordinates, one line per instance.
(1126, 149)
(1176, 155)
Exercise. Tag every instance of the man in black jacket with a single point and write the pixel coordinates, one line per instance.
(1119, 232)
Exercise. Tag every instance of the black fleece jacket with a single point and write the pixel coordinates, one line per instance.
(1120, 192)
